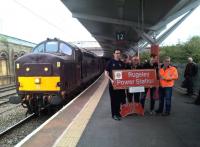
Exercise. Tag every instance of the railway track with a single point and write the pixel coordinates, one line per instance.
(11, 128)
(5, 99)
(6, 92)
(7, 88)
(2, 102)
(10, 108)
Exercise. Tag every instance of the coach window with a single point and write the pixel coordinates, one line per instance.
(52, 47)
(64, 48)
(39, 49)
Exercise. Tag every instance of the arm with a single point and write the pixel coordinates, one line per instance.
(107, 75)
(161, 74)
(175, 74)
(172, 74)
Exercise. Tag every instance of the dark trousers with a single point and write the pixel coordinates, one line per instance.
(165, 94)
(189, 83)
(137, 97)
(116, 97)
(152, 100)
(129, 97)
(123, 97)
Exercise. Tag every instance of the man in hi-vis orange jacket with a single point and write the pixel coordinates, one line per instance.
(168, 74)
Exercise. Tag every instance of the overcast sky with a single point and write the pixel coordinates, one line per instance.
(35, 20)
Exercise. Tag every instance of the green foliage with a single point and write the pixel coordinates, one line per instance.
(144, 55)
(180, 52)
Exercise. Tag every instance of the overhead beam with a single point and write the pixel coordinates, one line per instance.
(168, 18)
(171, 29)
(147, 37)
(108, 20)
(103, 37)
(176, 7)
(101, 50)
(92, 49)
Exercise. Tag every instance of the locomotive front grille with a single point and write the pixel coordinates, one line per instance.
(39, 83)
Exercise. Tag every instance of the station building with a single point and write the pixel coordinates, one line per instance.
(10, 49)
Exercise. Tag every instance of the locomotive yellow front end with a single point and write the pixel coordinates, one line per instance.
(44, 82)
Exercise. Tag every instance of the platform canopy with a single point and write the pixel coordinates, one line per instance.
(129, 24)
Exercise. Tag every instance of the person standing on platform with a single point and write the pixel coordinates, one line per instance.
(189, 74)
(115, 95)
(136, 65)
(128, 66)
(150, 65)
(168, 74)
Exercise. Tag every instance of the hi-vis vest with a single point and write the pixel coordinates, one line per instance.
(168, 76)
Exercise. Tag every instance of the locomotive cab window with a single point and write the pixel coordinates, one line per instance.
(52, 47)
(39, 48)
(64, 48)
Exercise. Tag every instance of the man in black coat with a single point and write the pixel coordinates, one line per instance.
(190, 72)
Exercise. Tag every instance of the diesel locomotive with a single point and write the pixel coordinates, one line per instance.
(52, 71)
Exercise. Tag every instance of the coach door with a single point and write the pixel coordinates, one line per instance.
(78, 66)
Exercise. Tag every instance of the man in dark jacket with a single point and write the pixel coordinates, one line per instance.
(190, 72)
(150, 65)
(115, 95)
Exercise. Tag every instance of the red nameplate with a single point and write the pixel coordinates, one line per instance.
(134, 78)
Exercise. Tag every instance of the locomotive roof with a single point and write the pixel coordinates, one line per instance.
(73, 46)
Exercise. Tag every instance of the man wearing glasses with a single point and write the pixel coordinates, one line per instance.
(168, 74)
(115, 95)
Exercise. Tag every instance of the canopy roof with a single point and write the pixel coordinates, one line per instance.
(129, 24)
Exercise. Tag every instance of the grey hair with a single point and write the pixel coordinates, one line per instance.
(167, 58)
(190, 59)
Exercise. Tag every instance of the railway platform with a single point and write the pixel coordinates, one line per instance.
(87, 122)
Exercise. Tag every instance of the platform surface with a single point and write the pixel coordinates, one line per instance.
(180, 129)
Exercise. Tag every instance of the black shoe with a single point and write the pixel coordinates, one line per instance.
(115, 117)
(119, 117)
(158, 112)
(189, 94)
(166, 114)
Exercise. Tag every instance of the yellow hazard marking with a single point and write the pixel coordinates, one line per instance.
(72, 134)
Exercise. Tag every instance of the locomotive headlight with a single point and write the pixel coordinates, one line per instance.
(17, 65)
(27, 69)
(37, 80)
(58, 64)
(46, 69)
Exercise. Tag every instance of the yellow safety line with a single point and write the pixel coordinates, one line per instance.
(72, 134)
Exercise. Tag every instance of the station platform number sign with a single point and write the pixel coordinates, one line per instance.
(124, 79)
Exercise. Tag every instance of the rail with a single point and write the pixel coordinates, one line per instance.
(16, 125)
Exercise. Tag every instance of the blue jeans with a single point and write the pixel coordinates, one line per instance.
(165, 94)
